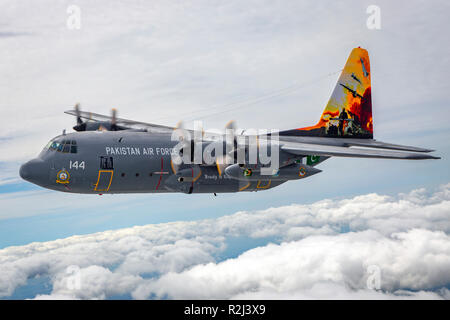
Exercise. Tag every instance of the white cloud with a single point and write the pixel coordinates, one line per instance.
(416, 259)
(406, 237)
(102, 283)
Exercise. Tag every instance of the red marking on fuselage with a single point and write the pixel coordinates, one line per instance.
(160, 176)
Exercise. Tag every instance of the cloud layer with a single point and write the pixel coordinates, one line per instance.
(322, 250)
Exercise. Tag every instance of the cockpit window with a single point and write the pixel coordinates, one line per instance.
(64, 146)
(54, 145)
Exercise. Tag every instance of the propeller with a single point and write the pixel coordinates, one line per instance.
(189, 144)
(77, 111)
(231, 145)
(175, 166)
(113, 120)
(81, 126)
(99, 125)
(228, 157)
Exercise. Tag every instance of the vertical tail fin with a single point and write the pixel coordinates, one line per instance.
(348, 113)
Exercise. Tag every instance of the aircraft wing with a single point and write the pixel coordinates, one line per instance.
(121, 122)
(335, 151)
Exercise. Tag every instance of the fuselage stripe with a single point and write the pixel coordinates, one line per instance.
(245, 187)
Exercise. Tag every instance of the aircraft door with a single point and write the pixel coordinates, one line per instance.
(105, 174)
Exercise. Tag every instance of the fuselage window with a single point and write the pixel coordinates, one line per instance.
(106, 163)
(73, 146)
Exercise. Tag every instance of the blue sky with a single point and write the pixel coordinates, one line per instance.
(157, 61)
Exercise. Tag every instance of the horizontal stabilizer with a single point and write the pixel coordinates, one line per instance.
(334, 151)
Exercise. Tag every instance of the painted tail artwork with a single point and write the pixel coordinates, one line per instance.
(348, 113)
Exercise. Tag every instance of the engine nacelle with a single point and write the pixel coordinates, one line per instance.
(290, 172)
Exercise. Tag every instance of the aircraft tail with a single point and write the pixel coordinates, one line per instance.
(348, 113)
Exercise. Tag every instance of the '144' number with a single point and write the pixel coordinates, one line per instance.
(77, 165)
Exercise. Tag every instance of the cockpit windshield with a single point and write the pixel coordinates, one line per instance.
(64, 146)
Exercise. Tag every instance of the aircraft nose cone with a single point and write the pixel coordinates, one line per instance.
(34, 171)
(25, 171)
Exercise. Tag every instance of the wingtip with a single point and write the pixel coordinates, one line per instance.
(425, 157)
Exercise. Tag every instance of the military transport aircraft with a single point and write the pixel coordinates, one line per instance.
(108, 154)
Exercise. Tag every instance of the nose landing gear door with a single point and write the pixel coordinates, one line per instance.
(105, 174)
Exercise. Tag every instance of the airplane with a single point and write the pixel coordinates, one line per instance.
(356, 78)
(108, 155)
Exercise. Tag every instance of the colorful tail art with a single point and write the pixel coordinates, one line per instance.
(348, 113)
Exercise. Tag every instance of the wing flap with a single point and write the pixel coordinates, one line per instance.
(334, 151)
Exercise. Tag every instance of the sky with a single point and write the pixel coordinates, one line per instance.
(264, 64)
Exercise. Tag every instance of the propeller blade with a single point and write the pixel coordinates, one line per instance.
(179, 125)
(176, 167)
(114, 119)
(114, 116)
(222, 162)
(231, 125)
(226, 159)
(81, 126)
(77, 111)
(230, 128)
